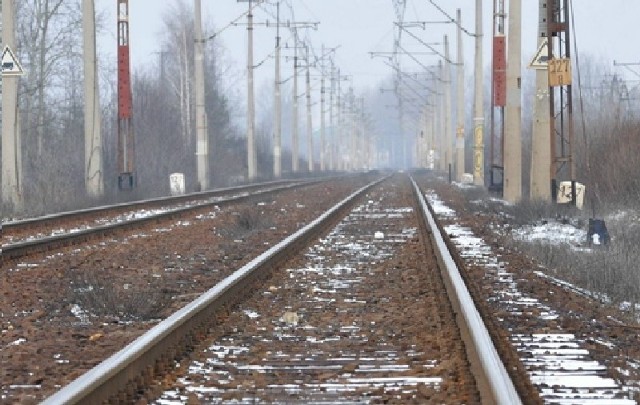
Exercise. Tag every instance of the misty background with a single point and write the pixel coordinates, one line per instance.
(51, 97)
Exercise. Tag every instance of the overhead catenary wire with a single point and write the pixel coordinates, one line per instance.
(581, 98)
(426, 68)
(412, 89)
(417, 38)
(452, 20)
(233, 22)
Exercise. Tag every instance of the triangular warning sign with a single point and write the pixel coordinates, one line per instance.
(541, 58)
(10, 65)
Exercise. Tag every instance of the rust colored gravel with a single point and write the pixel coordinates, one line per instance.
(610, 341)
(361, 317)
(62, 314)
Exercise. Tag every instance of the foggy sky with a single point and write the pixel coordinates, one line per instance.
(604, 28)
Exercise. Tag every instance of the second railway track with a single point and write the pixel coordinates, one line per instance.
(42, 234)
(362, 315)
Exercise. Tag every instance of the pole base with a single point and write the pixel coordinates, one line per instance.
(126, 181)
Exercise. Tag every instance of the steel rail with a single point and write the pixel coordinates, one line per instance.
(152, 202)
(494, 382)
(135, 362)
(12, 251)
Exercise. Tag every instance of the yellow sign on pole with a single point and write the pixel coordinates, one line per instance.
(559, 72)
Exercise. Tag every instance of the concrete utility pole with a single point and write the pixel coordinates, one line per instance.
(322, 124)
(295, 160)
(460, 112)
(357, 134)
(478, 120)
(277, 102)
(353, 131)
(440, 139)
(309, 123)
(202, 148)
(541, 142)
(513, 113)
(433, 130)
(94, 175)
(332, 137)
(277, 128)
(323, 92)
(347, 125)
(448, 136)
(361, 149)
(252, 161)
(11, 144)
(338, 135)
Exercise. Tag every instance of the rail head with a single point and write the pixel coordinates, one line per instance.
(494, 373)
(16, 250)
(83, 389)
(150, 201)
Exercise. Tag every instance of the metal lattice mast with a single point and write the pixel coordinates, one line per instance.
(560, 97)
(126, 166)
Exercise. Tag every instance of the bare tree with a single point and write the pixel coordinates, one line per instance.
(48, 37)
(178, 41)
(49, 42)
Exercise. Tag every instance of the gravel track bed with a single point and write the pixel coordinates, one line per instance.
(62, 313)
(361, 317)
(93, 220)
(574, 348)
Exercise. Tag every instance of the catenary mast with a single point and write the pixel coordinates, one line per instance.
(126, 164)
(94, 175)
(11, 148)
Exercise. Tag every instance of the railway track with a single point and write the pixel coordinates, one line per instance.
(361, 305)
(42, 234)
(574, 349)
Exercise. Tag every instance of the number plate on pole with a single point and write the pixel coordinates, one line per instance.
(559, 72)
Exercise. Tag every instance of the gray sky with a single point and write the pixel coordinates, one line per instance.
(608, 29)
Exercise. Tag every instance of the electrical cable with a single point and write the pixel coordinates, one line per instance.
(232, 23)
(453, 20)
(428, 46)
(580, 96)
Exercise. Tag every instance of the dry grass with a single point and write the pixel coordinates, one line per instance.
(99, 296)
(612, 270)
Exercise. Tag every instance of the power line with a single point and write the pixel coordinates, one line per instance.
(233, 22)
(451, 19)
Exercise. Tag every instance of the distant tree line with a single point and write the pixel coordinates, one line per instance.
(51, 109)
(51, 116)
